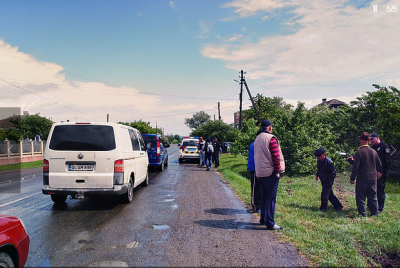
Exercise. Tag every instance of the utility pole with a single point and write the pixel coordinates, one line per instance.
(240, 98)
(219, 112)
(243, 82)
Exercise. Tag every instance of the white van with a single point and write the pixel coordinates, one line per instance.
(83, 159)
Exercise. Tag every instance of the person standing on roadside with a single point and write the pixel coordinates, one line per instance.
(383, 151)
(209, 149)
(217, 148)
(367, 168)
(255, 184)
(269, 163)
(326, 173)
(200, 149)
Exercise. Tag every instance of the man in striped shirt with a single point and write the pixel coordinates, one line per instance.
(268, 156)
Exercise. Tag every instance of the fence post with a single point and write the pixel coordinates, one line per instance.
(8, 147)
(31, 145)
(21, 149)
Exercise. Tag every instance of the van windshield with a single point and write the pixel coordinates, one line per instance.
(82, 138)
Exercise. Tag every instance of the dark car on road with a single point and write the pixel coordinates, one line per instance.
(156, 150)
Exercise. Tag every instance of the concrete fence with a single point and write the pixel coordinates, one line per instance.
(14, 152)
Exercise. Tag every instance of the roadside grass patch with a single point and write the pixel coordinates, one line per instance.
(25, 165)
(340, 239)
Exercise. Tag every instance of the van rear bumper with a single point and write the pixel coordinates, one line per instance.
(117, 190)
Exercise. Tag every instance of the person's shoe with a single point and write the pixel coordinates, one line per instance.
(208, 169)
(322, 209)
(339, 209)
(262, 223)
(275, 227)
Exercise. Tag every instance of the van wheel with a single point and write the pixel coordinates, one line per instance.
(59, 198)
(146, 181)
(128, 196)
(5, 260)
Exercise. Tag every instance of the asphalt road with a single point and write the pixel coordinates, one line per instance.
(187, 216)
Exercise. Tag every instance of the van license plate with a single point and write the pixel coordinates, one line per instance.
(80, 168)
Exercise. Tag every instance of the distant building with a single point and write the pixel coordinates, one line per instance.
(7, 112)
(333, 103)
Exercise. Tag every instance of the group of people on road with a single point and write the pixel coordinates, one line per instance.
(208, 152)
(369, 173)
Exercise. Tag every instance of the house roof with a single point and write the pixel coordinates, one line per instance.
(332, 102)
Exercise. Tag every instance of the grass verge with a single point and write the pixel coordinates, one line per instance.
(340, 239)
(33, 164)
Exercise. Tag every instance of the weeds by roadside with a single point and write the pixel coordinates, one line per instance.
(340, 239)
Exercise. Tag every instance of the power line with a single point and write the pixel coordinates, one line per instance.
(37, 95)
(323, 36)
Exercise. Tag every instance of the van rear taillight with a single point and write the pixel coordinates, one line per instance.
(119, 166)
(45, 165)
(158, 149)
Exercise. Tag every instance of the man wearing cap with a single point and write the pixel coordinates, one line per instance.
(365, 169)
(383, 151)
(269, 163)
(326, 173)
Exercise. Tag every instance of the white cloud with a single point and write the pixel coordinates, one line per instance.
(330, 47)
(40, 87)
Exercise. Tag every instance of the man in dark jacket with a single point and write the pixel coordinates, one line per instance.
(366, 168)
(383, 151)
(326, 173)
(217, 148)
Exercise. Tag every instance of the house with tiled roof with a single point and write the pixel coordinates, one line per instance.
(333, 103)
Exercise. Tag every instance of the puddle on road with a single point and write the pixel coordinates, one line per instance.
(161, 227)
(174, 206)
(109, 264)
(134, 244)
(167, 200)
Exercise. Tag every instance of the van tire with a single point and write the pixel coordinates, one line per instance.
(145, 183)
(6, 260)
(128, 196)
(58, 198)
(166, 163)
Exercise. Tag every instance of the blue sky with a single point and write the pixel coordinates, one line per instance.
(162, 61)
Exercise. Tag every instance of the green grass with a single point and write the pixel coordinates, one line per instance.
(33, 164)
(332, 238)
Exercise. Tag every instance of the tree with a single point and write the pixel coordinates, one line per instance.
(142, 127)
(198, 119)
(28, 127)
(219, 129)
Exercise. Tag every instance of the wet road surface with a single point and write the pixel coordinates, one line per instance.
(187, 216)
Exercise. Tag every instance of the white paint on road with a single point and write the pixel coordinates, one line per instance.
(20, 199)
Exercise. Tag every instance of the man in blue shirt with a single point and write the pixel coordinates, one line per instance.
(326, 173)
(255, 184)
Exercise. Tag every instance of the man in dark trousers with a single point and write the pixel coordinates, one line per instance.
(326, 173)
(383, 151)
(255, 184)
(217, 148)
(269, 164)
(365, 169)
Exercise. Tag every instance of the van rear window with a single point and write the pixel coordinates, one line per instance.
(152, 139)
(83, 138)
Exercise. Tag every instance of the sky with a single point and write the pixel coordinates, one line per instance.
(162, 61)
